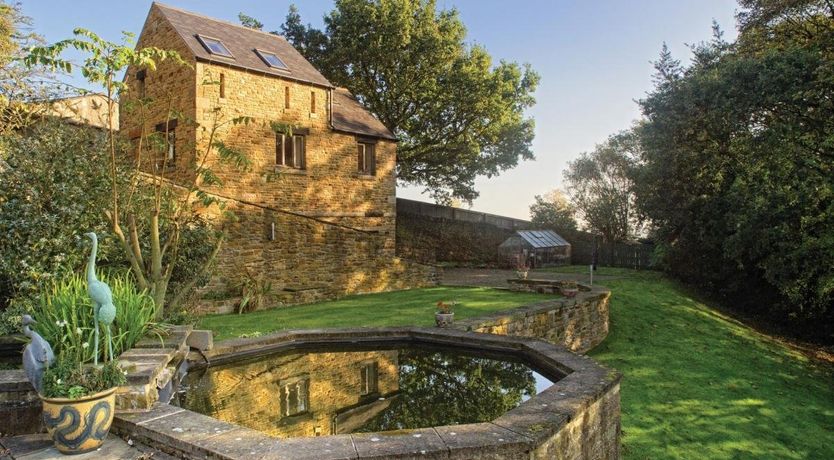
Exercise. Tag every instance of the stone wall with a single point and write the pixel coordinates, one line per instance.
(593, 433)
(431, 240)
(579, 324)
(306, 260)
(20, 406)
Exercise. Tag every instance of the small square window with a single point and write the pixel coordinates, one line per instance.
(215, 46)
(272, 59)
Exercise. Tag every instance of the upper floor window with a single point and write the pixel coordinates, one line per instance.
(215, 46)
(294, 396)
(272, 59)
(312, 102)
(367, 158)
(290, 150)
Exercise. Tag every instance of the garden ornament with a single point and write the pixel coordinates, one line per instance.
(37, 355)
(103, 309)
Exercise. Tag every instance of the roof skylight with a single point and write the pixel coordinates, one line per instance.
(272, 59)
(215, 46)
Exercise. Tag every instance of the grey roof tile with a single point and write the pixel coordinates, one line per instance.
(349, 115)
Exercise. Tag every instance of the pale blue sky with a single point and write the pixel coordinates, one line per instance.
(593, 57)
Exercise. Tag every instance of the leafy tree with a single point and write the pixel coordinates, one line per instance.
(456, 114)
(250, 22)
(553, 210)
(736, 165)
(151, 227)
(20, 85)
(599, 185)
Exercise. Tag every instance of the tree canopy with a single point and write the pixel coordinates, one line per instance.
(736, 166)
(599, 184)
(457, 114)
(553, 210)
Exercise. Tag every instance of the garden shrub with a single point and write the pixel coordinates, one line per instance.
(54, 188)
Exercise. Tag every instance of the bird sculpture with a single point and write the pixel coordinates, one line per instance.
(104, 311)
(37, 355)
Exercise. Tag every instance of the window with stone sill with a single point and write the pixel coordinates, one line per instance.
(294, 396)
(290, 151)
(366, 153)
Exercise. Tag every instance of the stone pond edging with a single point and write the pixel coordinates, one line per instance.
(579, 323)
(577, 417)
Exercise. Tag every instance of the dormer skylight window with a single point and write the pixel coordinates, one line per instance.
(215, 46)
(272, 59)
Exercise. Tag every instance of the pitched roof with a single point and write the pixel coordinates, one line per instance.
(242, 43)
(349, 115)
(542, 238)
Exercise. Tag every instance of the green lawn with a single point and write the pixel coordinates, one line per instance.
(699, 385)
(413, 307)
(696, 384)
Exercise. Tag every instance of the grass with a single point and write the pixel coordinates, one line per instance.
(699, 385)
(401, 308)
(696, 384)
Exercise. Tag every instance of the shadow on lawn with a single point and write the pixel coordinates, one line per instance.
(699, 385)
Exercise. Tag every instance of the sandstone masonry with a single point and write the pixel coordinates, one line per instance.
(320, 228)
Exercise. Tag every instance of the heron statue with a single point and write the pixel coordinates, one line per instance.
(104, 311)
(37, 355)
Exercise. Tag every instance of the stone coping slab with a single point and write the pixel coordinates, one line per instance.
(513, 435)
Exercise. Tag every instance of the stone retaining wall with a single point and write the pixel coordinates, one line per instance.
(579, 324)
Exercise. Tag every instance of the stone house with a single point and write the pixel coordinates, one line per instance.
(315, 214)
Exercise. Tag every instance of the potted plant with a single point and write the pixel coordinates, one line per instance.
(79, 402)
(444, 315)
(569, 288)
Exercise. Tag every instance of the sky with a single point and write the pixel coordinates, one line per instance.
(594, 58)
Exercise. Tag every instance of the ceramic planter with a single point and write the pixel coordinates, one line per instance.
(444, 319)
(79, 425)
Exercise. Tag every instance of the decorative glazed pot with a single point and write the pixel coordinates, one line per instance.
(79, 425)
(444, 319)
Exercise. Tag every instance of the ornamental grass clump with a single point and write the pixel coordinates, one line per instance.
(64, 316)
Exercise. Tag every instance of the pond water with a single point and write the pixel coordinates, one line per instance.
(318, 393)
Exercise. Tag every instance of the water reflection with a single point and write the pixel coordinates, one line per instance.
(322, 393)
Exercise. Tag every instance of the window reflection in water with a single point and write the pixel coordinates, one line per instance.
(323, 393)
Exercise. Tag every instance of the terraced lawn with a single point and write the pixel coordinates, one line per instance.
(414, 307)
